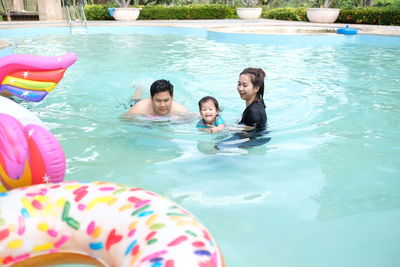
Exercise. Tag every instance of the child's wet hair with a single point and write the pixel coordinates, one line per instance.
(207, 99)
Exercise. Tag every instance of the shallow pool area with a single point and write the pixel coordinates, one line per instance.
(322, 192)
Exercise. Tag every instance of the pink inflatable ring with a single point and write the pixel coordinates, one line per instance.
(28, 154)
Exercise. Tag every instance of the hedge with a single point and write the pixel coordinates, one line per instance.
(286, 13)
(373, 15)
(97, 12)
(366, 15)
(188, 12)
(100, 12)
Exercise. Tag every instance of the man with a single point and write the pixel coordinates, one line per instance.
(161, 102)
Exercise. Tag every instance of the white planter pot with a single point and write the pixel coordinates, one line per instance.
(323, 15)
(249, 12)
(126, 13)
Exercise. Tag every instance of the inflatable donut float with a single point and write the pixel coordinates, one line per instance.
(31, 77)
(100, 223)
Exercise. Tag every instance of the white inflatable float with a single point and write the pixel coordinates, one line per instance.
(14, 109)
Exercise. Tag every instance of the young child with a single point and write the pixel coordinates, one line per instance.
(209, 111)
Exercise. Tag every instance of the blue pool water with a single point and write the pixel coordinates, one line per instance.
(323, 192)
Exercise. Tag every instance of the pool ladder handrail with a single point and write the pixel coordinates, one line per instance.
(82, 21)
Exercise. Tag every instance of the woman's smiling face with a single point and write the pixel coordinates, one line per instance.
(246, 89)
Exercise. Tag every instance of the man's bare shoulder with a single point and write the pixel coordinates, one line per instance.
(178, 108)
(143, 107)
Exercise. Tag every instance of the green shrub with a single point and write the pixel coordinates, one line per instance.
(370, 15)
(367, 15)
(100, 12)
(286, 13)
(187, 12)
(97, 12)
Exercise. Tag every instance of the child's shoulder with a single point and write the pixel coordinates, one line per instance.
(201, 124)
(219, 120)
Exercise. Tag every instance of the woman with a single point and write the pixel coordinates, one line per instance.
(254, 119)
(251, 89)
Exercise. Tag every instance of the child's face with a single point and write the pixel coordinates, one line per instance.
(208, 112)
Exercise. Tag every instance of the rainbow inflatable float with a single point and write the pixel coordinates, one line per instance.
(102, 224)
(31, 77)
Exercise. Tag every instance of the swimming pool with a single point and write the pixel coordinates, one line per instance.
(322, 192)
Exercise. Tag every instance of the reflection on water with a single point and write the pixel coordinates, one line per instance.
(362, 166)
(321, 192)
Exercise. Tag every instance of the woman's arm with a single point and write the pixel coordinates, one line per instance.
(240, 127)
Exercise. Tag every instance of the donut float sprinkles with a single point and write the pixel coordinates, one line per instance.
(113, 224)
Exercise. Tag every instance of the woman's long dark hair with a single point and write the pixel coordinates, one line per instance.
(257, 77)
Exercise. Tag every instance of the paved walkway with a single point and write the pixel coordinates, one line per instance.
(259, 26)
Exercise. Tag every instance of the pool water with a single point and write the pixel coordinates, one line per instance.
(323, 192)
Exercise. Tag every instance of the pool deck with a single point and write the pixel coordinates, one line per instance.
(259, 26)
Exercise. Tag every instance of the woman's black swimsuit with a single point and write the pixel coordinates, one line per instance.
(254, 115)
